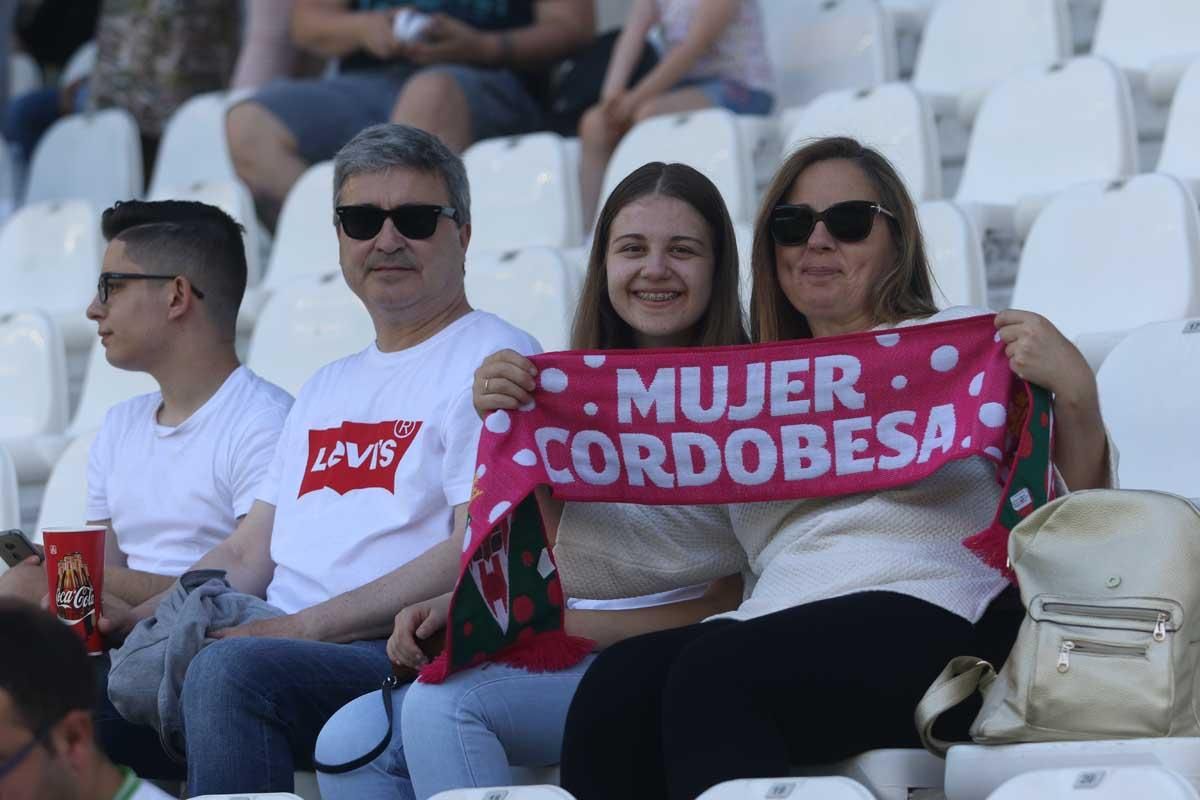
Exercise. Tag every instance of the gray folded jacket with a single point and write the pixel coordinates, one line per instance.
(147, 671)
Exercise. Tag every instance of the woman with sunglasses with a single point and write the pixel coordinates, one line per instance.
(663, 272)
(856, 602)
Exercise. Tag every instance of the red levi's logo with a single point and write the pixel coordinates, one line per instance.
(357, 455)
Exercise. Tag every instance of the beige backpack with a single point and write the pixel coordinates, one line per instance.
(1110, 644)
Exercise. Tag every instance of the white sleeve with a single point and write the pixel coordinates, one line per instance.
(98, 469)
(460, 441)
(267, 489)
(253, 457)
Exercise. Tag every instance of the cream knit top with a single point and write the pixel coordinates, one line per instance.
(906, 540)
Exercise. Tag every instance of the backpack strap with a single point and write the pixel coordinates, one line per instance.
(961, 678)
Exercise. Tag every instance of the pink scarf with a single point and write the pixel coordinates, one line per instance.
(809, 418)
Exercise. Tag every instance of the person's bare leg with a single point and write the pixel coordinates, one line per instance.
(675, 102)
(597, 140)
(265, 155)
(434, 102)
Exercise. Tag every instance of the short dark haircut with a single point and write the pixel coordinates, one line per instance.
(43, 665)
(187, 238)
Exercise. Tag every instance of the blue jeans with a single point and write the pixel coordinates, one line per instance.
(252, 708)
(465, 732)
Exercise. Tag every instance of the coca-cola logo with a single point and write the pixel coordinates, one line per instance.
(357, 455)
(81, 599)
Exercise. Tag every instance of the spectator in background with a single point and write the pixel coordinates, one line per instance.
(155, 54)
(267, 50)
(474, 72)
(47, 748)
(714, 55)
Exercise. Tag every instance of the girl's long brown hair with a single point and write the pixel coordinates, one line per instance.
(905, 292)
(598, 326)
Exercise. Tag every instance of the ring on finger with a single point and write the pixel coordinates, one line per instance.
(485, 385)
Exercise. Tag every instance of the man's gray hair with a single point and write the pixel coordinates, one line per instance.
(387, 145)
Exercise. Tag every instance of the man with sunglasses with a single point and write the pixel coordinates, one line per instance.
(48, 749)
(464, 70)
(363, 510)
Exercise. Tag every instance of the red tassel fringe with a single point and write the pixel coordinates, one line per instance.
(543, 652)
(991, 546)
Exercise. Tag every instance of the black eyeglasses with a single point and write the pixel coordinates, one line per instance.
(14, 761)
(106, 278)
(850, 221)
(412, 221)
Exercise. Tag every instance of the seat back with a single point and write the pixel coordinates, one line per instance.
(194, 148)
(50, 257)
(1150, 397)
(1135, 34)
(24, 74)
(1180, 156)
(304, 326)
(80, 64)
(818, 47)
(891, 118)
(231, 196)
(10, 500)
(709, 140)
(1047, 129)
(305, 239)
(825, 788)
(955, 253)
(506, 793)
(33, 370)
(524, 193)
(1101, 782)
(64, 501)
(1108, 256)
(971, 45)
(103, 387)
(95, 156)
(533, 289)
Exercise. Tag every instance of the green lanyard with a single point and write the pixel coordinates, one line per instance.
(128, 786)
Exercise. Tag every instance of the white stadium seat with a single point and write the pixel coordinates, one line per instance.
(24, 74)
(80, 65)
(1150, 397)
(10, 503)
(709, 140)
(968, 46)
(231, 196)
(50, 259)
(889, 774)
(976, 772)
(304, 326)
(1155, 40)
(1047, 129)
(955, 253)
(249, 796)
(1109, 256)
(1097, 783)
(95, 156)
(64, 501)
(892, 118)
(33, 392)
(1180, 156)
(305, 238)
(829, 788)
(534, 289)
(103, 387)
(194, 147)
(506, 793)
(744, 234)
(524, 192)
(816, 47)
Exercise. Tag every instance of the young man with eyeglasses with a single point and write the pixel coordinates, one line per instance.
(170, 473)
(364, 507)
(48, 749)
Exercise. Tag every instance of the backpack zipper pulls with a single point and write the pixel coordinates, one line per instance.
(1160, 628)
(1064, 655)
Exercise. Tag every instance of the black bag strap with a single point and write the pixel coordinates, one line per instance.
(337, 769)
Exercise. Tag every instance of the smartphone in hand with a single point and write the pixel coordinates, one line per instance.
(15, 548)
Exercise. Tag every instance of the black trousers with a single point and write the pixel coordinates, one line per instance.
(673, 713)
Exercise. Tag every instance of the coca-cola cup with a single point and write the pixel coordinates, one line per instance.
(75, 572)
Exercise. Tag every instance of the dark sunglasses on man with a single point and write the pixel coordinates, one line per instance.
(107, 278)
(848, 222)
(412, 221)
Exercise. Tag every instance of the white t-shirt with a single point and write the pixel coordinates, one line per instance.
(174, 493)
(375, 454)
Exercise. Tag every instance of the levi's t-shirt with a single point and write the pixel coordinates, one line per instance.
(376, 452)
